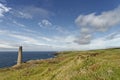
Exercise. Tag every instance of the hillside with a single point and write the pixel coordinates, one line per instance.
(73, 65)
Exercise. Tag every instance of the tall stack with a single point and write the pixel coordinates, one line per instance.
(19, 60)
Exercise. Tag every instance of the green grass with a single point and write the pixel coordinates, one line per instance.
(72, 65)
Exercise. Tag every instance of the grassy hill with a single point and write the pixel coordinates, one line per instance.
(73, 65)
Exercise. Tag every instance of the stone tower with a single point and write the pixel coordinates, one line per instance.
(19, 60)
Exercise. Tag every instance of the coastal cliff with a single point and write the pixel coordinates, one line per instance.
(71, 65)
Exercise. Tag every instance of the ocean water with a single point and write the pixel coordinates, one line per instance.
(8, 59)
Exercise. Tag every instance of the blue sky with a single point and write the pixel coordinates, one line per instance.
(55, 25)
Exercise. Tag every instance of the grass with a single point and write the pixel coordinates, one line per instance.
(72, 65)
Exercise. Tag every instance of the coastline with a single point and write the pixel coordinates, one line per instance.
(71, 65)
(11, 57)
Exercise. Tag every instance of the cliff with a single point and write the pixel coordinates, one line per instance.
(72, 65)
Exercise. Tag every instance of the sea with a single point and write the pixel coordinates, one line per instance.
(8, 59)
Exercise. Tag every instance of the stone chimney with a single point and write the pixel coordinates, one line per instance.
(19, 60)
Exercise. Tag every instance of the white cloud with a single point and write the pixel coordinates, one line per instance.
(27, 40)
(3, 9)
(96, 23)
(41, 43)
(3, 32)
(6, 46)
(63, 39)
(85, 30)
(112, 36)
(45, 23)
(54, 43)
(83, 39)
(21, 14)
(101, 43)
(102, 21)
(30, 12)
(48, 25)
(18, 24)
(46, 39)
(62, 30)
(24, 15)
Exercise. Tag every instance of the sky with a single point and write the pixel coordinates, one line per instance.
(59, 25)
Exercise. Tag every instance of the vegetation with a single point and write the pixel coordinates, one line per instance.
(73, 65)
